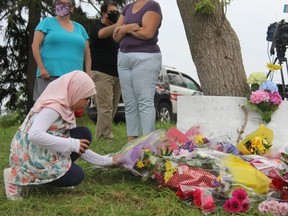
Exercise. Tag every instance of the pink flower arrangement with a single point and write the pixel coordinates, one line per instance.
(273, 207)
(259, 96)
(238, 203)
(265, 97)
(265, 102)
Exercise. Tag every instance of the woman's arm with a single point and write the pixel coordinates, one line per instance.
(87, 56)
(38, 133)
(150, 24)
(37, 41)
(121, 30)
(96, 159)
(106, 31)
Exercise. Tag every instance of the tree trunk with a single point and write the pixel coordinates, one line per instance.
(215, 50)
(34, 19)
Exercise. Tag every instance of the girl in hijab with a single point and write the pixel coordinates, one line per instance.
(47, 143)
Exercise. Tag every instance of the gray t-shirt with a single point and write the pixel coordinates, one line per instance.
(133, 44)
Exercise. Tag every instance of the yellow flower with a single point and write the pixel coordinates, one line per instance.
(140, 164)
(146, 150)
(170, 170)
(167, 176)
(273, 67)
(257, 144)
(199, 139)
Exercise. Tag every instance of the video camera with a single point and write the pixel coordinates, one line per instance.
(277, 33)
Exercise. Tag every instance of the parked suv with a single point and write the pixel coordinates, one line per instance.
(171, 84)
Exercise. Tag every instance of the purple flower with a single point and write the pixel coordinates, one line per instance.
(229, 148)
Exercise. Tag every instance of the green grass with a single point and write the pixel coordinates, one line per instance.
(110, 192)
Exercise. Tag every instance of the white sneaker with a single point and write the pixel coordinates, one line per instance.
(13, 192)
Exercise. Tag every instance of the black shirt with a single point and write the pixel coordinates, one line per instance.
(103, 51)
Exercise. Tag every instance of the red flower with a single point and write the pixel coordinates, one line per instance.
(158, 177)
(279, 183)
(197, 202)
(197, 193)
(239, 194)
(227, 206)
(245, 205)
(235, 205)
(208, 204)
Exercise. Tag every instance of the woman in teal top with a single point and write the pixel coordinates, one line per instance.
(59, 46)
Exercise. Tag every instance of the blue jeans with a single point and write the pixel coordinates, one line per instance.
(75, 174)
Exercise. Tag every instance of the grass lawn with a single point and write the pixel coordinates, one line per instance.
(111, 192)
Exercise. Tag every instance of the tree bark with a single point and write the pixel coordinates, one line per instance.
(34, 19)
(215, 50)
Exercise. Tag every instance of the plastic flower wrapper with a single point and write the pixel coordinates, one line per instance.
(222, 146)
(258, 143)
(200, 197)
(281, 186)
(191, 176)
(195, 135)
(282, 168)
(134, 150)
(240, 172)
(266, 165)
(256, 79)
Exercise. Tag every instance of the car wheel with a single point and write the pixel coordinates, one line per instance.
(164, 112)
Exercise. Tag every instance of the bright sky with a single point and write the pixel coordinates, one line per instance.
(250, 20)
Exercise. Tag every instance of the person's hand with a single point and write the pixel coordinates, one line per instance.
(132, 27)
(44, 74)
(115, 160)
(84, 145)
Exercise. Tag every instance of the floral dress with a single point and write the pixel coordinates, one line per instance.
(32, 164)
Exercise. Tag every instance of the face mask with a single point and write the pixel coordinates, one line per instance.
(113, 16)
(62, 10)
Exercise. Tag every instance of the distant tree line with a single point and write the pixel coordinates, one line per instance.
(17, 64)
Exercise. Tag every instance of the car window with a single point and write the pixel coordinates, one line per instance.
(190, 83)
(175, 79)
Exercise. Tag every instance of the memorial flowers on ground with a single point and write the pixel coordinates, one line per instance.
(206, 173)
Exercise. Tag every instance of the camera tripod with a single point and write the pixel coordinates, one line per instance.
(281, 59)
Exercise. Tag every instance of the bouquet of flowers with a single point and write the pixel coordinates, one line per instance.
(207, 199)
(207, 169)
(282, 169)
(264, 98)
(258, 143)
